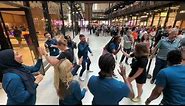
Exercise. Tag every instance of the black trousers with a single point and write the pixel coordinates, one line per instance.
(123, 56)
(84, 61)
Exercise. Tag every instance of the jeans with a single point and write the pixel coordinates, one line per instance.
(85, 60)
(159, 64)
(123, 56)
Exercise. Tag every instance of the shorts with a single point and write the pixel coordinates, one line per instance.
(141, 79)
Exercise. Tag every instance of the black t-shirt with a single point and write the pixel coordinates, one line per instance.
(67, 54)
(138, 62)
(17, 33)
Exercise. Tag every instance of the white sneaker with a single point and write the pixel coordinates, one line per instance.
(136, 99)
(82, 79)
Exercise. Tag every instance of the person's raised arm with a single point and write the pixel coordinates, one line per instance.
(125, 54)
(161, 82)
(52, 60)
(123, 74)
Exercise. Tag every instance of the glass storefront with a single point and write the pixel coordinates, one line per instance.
(149, 21)
(138, 21)
(156, 20)
(171, 19)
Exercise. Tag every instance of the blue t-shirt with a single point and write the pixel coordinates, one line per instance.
(52, 50)
(108, 91)
(173, 80)
(76, 95)
(83, 49)
(112, 47)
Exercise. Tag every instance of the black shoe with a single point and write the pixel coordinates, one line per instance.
(152, 81)
(149, 76)
(127, 63)
(75, 74)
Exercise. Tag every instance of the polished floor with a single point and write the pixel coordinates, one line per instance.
(46, 94)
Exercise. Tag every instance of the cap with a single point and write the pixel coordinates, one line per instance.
(145, 32)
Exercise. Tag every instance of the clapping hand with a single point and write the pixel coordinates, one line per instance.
(130, 79)
(38, 78)
(122, 71)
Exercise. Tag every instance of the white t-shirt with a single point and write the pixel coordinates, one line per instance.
(181, 36)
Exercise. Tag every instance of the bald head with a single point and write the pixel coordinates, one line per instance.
(173, 33)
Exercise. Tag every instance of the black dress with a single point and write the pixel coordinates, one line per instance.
(139, 62)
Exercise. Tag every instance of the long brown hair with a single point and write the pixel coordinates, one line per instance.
(141, 50)
(106, 64)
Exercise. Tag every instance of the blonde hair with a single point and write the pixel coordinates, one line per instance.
(62, 77)
(62, 40)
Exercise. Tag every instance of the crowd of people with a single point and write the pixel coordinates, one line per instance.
(139, 44)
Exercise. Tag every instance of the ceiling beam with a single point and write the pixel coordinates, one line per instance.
(14, 4)
(142, 8)
(117, 6)
(12, 9)
(98, 1)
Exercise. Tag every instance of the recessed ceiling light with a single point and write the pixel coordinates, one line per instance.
(182, 11)
(114, 9)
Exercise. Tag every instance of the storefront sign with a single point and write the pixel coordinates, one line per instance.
(144, 16)
(163, 14)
